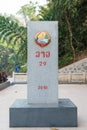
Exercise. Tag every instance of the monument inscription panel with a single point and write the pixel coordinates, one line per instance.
(43, 62)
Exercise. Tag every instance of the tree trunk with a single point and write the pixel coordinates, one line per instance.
(70, 37)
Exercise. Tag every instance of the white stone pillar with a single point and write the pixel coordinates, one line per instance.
(43, 62)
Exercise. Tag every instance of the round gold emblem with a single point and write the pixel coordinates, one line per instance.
(42, 39)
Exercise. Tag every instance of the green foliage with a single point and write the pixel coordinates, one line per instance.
(4, 55)
(14, 34)
(65, 60)
(72, 18)
(23, 68)
(13, 46)
(29, 11)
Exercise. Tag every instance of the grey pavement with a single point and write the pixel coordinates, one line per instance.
(75, 92)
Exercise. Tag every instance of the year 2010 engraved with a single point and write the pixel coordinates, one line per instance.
(42, 87)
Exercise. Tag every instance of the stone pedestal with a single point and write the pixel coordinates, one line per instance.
(43, 115)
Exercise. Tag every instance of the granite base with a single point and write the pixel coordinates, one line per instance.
(26, 115)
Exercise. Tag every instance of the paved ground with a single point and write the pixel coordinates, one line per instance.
(77, 93)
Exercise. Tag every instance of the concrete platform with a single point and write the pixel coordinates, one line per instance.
(26, 115)
(77, 93)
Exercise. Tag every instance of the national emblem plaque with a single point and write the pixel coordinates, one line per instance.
(42, 39)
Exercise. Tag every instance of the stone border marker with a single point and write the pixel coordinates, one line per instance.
(42, 108)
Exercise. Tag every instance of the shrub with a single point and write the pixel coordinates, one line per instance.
(3, 77)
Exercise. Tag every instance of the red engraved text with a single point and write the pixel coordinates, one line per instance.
(42, 54)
